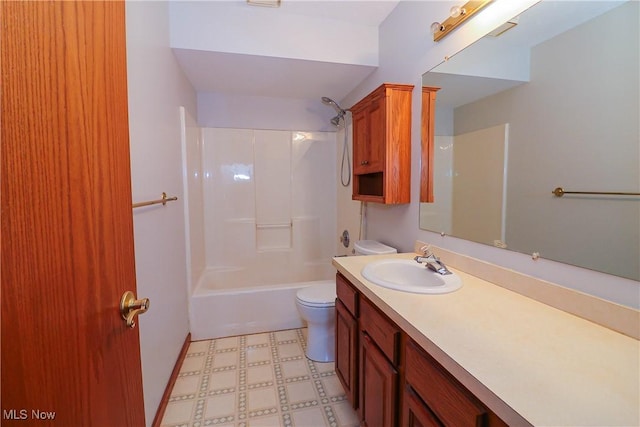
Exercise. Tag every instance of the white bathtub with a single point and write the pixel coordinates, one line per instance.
(219, 312)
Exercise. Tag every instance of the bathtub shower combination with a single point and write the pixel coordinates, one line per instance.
(261, 214)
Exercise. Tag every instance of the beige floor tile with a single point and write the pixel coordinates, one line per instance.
(220, 406)
(199, 347)
(178, 412)
(258, 354)
(302, 391)
(223, 380)
(291, 334)
(345, 415)
(192, 364)
(309, 417)
(325, 367)
(257, 339)
(221, 360)
(294, 368)
(186, 385)
(268, 421)
(259, 374)
(261, 398)
(290, 350)
(227, 343)
(332, 386)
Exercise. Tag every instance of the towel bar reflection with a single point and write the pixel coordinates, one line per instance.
(281, 225)
(163, 200)
(559, 192)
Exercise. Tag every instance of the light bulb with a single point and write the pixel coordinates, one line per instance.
(457, 11)
(435, 27)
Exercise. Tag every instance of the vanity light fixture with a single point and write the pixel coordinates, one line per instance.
(266, 3)
(457, 15)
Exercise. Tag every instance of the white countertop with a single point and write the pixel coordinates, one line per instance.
(527, 361)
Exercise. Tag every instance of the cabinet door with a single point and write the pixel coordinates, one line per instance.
(377, 135)
(369, 136)
(378, 387)
(360, 140)
(347, 352)
(415, 413)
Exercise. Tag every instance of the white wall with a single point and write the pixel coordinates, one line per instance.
(406, 52)
(261, 112)
(157, 88)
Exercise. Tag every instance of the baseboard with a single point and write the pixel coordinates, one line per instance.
(172, 380)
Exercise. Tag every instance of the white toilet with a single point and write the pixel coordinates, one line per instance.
(316, 305)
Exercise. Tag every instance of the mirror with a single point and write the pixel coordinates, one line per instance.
(551, 102)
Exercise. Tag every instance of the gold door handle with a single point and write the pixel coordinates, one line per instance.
(130, 307)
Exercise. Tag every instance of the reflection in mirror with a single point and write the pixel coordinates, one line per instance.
(552, 102)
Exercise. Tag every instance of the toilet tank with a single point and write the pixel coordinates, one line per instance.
(372, 247)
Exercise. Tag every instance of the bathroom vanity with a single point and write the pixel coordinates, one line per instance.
(480, 356)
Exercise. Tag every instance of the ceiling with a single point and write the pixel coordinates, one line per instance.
(254, 75)
(355, 11)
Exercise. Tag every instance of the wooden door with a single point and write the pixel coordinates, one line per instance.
(67, 226)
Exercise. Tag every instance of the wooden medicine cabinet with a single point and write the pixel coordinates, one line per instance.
(382, 145)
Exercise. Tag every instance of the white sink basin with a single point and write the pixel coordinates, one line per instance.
(409, 276)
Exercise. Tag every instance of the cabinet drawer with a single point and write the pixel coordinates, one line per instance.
(446, 397)
(381, 330)
(347, 294)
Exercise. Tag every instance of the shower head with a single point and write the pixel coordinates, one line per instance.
(336, 120)
(334, 104)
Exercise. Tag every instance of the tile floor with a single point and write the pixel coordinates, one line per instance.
(257, 380)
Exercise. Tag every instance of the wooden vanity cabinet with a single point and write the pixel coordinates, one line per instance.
(389, 378)
(382, 145)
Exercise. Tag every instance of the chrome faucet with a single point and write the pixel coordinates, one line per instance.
(432, 261)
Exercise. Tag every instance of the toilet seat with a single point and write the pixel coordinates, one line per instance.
(323, 295)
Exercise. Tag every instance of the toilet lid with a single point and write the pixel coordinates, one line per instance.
(318, 295)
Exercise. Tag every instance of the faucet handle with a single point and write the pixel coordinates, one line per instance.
(426, 250)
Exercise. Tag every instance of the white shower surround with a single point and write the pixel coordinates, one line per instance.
(269, 209)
